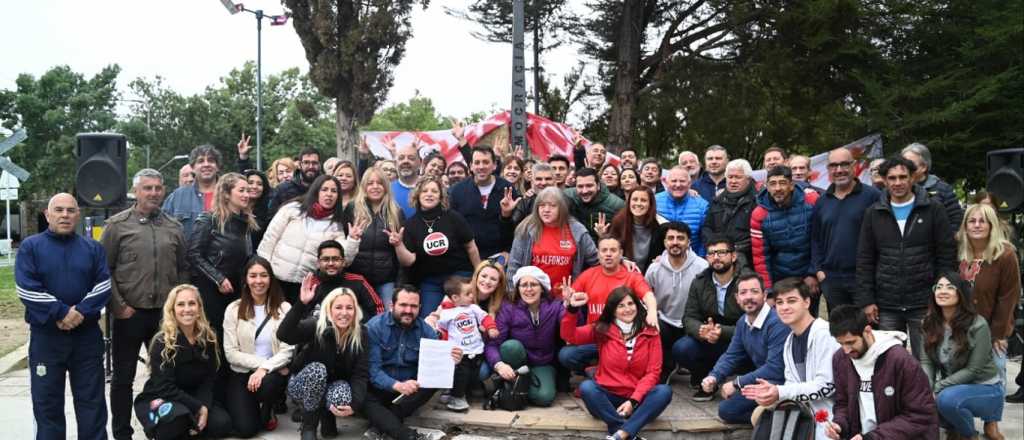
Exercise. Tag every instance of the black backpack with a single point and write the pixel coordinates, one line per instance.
(788, 421)
(510, 396)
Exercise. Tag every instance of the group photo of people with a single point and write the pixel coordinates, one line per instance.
(879, 309)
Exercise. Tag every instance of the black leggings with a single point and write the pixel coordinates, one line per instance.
(244, 406)
(387, 416)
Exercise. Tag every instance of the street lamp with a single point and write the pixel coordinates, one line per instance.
(178, 157)
(275, 20)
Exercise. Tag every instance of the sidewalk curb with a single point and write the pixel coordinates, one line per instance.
(14, 360)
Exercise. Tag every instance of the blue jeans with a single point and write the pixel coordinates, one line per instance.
(907, 321)
(578, 357)
(1000, 360)
(698, 356)
(386, 292)
(736, 409)
(960, 404)
(432, 291)
(603, 405)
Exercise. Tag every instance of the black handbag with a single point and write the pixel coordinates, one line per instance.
(788, 421)
(510, 395)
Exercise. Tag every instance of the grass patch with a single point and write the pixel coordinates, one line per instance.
(10, 306)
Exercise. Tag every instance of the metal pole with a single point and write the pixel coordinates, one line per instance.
(259, 88)
(10, 249)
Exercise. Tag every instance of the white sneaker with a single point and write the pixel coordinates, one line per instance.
(457, 404)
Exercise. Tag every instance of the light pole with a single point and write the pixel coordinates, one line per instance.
(275, 20)
(178, 157)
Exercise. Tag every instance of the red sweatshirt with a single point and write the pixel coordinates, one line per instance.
(630, 379)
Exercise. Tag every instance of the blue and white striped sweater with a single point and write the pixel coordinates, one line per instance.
(52, 273)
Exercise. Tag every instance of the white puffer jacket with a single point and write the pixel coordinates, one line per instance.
(291, 240)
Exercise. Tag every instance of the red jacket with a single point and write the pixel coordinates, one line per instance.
(630, 379)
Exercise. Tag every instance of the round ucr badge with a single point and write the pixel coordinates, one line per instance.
(889, 391)
(435, 244)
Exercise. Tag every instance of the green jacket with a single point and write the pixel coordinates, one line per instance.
(975, 367)
(587, 213)
(703, 303)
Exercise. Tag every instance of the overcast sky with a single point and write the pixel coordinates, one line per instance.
(192, 43)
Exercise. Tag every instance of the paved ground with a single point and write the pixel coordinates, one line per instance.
(565, 419)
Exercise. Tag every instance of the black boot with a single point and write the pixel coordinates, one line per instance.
(328, 425)
(308, 427)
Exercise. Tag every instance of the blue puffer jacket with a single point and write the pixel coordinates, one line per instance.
(690, 210)
(780, 237)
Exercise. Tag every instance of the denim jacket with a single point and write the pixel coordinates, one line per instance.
(184, 205)
(395, 350)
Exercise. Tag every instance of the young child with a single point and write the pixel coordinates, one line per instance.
(463, 323)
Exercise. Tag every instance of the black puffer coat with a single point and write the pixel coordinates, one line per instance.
(729, 215)
(896, 271)
(376, 260)
(944, 193)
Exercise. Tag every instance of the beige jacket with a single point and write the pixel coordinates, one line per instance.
(291, 240)
(240, 341)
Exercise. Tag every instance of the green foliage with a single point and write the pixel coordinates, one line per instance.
(418, 114)
(53, 109)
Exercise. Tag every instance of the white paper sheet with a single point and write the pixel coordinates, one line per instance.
(436, 367)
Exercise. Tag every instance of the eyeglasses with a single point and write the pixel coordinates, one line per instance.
(720, 252)
(836, 165)
(331, 259)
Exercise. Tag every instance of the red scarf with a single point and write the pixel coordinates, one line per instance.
(318, 212)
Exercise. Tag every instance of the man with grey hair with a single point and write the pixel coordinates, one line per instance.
(187, 202)
(407, 161)
(543, 177)
(185, 176)
(932, 184)
(146, 255)
(691, 162)
(729, 213)
(62, 279)
(712, 181)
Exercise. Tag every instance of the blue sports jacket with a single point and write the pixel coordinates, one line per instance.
(690, 210)
(395, 350)
(54, 272)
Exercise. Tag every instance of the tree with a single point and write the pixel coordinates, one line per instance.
(416, 115)
(352, 48)
(53, 109)
(550, 23)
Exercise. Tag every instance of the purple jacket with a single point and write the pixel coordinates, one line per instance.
(540, 340)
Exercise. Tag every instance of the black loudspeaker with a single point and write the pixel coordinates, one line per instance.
(1006, 177)
(100, 168)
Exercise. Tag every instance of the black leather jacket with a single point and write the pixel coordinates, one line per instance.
(215, 255)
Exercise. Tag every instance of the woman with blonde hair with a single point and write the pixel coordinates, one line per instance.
(375, 206)
(435, 243)
(332, 369)
(280, 171)
(291, 240)
(550, 239)
(348, 178)
(177, 400)
(988, 261)
(258, 360)
(220, 245)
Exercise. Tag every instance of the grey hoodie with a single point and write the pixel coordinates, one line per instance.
(672, 287)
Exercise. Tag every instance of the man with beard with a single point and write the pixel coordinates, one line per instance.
(559, 168)
(678, 204)
(486, 202)
(590, 199)
(457, 172)
(394, 340)
(881, 390)
(807, 356)
(691, 162)
(835, 229)
(543, 177)
(331, 275)
(407, 160)
(754, 353)
(309, 170)
(932, 184)
(710, 316)
(650, 175)
(627, 158)
(711, 183)
(146, 255)
(780, 232)
(729, 214)
(904, 244)
(671, 277)
(187, 202)
(598, 282)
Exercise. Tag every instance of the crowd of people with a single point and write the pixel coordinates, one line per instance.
(312, 285)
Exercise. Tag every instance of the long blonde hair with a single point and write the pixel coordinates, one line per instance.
(500, 295)
(388, 208)
(349, 338)
(533, 223)
(168, 334)
(997, 239)
(272, 172)
(222, 202)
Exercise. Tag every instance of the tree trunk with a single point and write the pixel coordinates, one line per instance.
(345, 134)
(620, 118)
